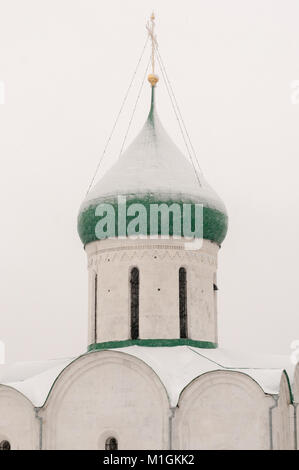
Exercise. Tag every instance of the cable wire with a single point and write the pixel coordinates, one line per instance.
(134, 109)
(179, 111)
(117, 118)
(178, 115)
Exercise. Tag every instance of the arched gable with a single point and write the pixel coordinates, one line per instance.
(106, 392)
(223, 410)
(18, 424)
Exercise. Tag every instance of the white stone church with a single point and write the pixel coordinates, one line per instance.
(153, 376)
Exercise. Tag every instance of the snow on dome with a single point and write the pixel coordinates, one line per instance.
(154, 169)
(153, 164)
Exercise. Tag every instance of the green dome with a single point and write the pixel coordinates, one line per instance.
(152, 171)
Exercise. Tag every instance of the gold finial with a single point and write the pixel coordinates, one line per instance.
(152, 78)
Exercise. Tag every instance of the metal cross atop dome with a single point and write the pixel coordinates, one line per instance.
(152, 78)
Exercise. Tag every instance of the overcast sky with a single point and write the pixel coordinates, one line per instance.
(65, 66)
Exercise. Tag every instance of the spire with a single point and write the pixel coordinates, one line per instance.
(152, 108)
(152, 78)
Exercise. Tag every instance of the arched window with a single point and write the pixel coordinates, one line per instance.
(5, 445)
(183, 303)
(134, 281)
(95, 307)
(111, 444)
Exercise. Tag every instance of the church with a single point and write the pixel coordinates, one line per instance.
(152, 376)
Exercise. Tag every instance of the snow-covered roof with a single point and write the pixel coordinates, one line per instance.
(33, 379)
(153, 165)
(176, 366)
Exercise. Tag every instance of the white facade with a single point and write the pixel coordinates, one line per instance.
(158, 261)
(139, 395)
(165, 385)
(174, 395)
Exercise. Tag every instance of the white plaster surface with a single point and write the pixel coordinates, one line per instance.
(158, 262)
(132, 392)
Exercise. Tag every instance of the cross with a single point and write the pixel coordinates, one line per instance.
(150, 28)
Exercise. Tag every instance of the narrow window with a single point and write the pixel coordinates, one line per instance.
(215, 292)
(134, 281)
(95, 306)
(111, 444)
(5, 445)
(183, 303)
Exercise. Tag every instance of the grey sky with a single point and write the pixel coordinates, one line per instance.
(66, 66)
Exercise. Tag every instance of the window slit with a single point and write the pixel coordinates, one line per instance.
(183, 303)
(134, 281)
(95, 306)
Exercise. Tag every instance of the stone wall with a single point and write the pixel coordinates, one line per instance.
(158, 262)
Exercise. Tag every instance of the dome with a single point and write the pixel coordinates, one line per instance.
(154, 170)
